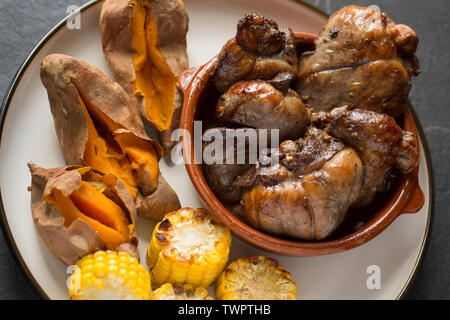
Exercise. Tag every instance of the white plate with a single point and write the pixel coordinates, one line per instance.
(28, 135)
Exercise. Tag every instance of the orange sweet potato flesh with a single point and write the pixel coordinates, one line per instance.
(154, 78)
(65, 206)
(143, 155)
(99, 155)
(109, 150)
(96, 205)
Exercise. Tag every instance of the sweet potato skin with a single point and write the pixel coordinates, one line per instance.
(160, 202)
(65, 78)
(115, 27)
(69, 243)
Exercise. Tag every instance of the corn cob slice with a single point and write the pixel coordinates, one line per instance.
(255, 278)
(188, 246)
(176, 291)
(109, 275)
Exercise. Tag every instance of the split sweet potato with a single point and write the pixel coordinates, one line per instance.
(144, 42)
(97, 127)
(77, 211)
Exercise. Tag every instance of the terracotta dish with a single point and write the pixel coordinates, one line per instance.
(405, 196)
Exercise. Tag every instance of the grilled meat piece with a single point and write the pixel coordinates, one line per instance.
(308, 207)
(259, 35)
(258, 104)
(219, 174)
(310, 153)
(259, 51)
(380, 142)
(293, 159)
(308, 193)
(282, 81)
(362, 60)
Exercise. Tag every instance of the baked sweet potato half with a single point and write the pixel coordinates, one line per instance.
(97, 127)
(144, 42)
(77, 211)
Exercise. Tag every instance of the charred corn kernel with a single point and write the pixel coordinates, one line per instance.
(255, 278)
(188, 247)
(176, 291)
(109, 275)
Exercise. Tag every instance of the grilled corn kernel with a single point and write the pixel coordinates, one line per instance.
(188, 246)
(176, 291)
(255, 278)
(109, 275)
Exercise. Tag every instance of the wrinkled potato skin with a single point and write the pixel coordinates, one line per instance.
(115, 28)
(71, 243)
(63, 77)
(159, 203)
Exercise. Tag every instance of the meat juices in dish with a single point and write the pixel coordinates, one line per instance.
(305, 201)
(362, 60)
(380, 142)
(259, 105)
(259, 51)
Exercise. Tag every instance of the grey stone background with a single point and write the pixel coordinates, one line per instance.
(24, 23)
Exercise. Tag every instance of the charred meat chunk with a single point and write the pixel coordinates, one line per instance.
(362, 60)
(259, 51)
(380, 142)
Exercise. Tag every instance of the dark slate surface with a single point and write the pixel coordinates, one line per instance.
(23, 23)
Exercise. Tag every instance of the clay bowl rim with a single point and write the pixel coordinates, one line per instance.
(407, 198)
